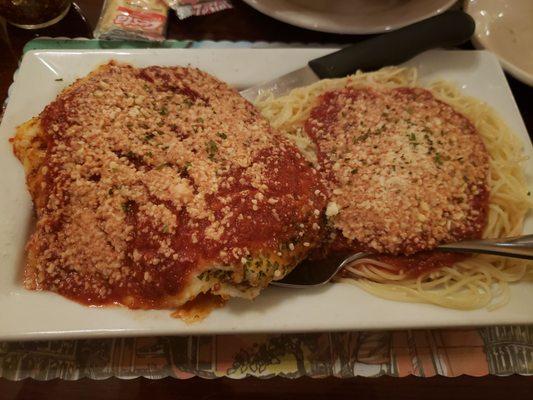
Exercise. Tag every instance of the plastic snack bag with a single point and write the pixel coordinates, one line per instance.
(189, 8)
(132, 20)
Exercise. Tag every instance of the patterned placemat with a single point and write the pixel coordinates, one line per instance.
(477, 352)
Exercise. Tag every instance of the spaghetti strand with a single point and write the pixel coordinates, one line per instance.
(477, 282)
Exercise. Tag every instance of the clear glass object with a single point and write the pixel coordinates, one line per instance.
(34, 14)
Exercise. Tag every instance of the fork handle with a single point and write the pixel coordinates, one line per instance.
(516, 247)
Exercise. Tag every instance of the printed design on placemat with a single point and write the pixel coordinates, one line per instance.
(39, 360)
(498, 350)
(362, 354)
(509, 349)
(432, 352)
(285, 355)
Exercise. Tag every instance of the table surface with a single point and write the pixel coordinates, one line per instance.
(244, 23)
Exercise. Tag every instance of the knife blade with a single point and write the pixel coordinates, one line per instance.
(447, 29)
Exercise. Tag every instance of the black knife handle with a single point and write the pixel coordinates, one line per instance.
(448, 29)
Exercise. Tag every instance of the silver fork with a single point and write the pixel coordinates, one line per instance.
(310, 273)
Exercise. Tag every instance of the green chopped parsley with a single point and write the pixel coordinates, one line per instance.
(211, 149)
(413, 140)
(127, 206)
(361, 138)
(161, 166)
(148, 137)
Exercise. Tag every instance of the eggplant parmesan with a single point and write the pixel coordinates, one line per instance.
(405, 171)
(155, 185)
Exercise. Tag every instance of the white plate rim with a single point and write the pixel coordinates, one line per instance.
(214, 326)
(264, 7)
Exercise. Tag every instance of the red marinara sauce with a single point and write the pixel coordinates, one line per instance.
(400, 164)
(258, 219)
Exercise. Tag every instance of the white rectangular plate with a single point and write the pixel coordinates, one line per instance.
(40, 315)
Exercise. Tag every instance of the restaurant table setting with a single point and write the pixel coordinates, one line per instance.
(235, 341)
